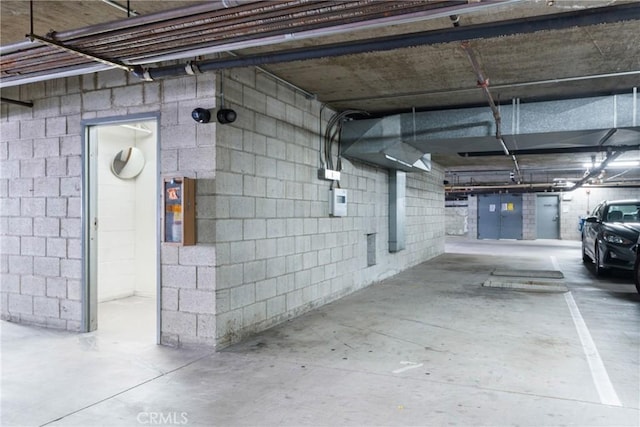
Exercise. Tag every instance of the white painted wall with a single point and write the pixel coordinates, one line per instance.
(126, 218)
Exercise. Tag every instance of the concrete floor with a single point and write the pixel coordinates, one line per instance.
(429, 346)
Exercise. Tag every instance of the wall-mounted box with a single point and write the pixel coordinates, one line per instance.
(338, 202)
(179, 211)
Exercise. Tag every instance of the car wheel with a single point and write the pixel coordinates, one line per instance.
(600, 271)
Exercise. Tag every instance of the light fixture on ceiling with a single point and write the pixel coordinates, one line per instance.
(617, 164)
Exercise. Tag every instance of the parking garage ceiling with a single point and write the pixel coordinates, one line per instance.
(383, 57)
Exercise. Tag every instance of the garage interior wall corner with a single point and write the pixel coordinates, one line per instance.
(267, 249)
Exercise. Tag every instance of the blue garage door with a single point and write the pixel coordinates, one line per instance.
(500, 216)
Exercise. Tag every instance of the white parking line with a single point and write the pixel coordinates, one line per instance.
(599, 373)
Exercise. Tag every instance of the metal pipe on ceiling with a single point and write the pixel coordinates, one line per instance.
(609, 14)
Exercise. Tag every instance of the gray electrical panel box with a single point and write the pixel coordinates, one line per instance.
(338, 202)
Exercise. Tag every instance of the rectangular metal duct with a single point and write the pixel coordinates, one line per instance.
(381, 142)
(397, 211)
(399, 142)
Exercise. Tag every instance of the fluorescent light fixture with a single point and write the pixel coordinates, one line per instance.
(618, 164)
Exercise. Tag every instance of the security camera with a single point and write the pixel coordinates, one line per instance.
(226, 115)
(201, 115)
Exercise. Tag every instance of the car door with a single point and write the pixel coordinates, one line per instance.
(590, 231)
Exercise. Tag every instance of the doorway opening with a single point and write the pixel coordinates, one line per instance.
(121, 231)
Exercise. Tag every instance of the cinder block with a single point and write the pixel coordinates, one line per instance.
(197, 255)
(253, 314)
(276, 267)
(276, 306)
(19, 149)
(71, 227)
(276, 228)
(19, 304)
(96, 100)
(169, 254)
(266, 289)
(228, 325)
(242, 162)
(254, 229)
(197, 301)
(294, 299)
(241, 296)
(74, 248)
(201, 159)
(71, 104)
(71, 145)
(256, 144)
(11, 208)
(242, 207)
(255, 271)
(170, 299)
(32, 129)
(242, 251)
(55, 126)
(19, 264)
(48, 307)
(176, 89)
(56, 287)
(206, 278)
(284, 208)
(206, 325)
(70, 187)
(33, 207)
(10, 245)
(56, 207)
(255, 186)
(267, 126)
(10, 132)
(285, 246)
(71, 310)
(128, 96)
(285, 284)
(265, 248)
(48, 227)
(71, 268)
(33, 285)
(22, 187)
(179, 276)
(229, 183)
(10, 283)
(46, 187)
(74, 207)
(176, 322)
(46, 266)
(254, 100)
(266, 208)
(74, 290)
(228, 276)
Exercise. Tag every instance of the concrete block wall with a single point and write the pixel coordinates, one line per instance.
(529, 230)
(40, 168)
(279, 253)
(40, 196)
